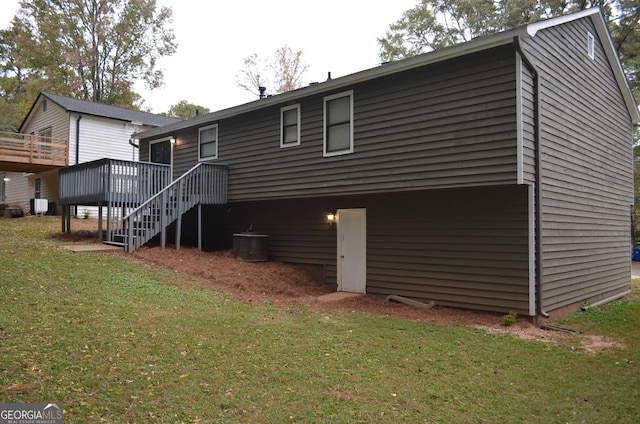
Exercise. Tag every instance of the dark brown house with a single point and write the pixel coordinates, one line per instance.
(493, 175)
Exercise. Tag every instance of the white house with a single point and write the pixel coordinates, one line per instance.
(85, 131)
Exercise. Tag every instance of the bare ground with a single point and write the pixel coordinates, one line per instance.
(282, 284)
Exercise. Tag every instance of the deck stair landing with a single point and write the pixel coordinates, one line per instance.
(204, 184)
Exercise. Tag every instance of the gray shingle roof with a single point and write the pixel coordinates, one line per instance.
(108, 111)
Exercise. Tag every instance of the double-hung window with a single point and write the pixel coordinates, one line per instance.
(208, 142)
(338, 124)
(290, 126)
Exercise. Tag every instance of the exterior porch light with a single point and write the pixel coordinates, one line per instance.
(172, 140)
(331, 217)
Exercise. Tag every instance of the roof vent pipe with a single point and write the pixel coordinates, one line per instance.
(329, 76)
(263, 91)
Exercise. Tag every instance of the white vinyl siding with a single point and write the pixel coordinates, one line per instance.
(100, 138)
(208, 143)
(338, 124)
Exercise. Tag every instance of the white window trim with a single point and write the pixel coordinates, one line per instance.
(282, 111)
(215, 156)
(324, 124)
(591, 45)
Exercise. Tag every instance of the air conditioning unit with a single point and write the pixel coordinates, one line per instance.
(40, 206)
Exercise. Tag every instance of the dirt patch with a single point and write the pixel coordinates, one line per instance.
(594, 344)
(84, 236)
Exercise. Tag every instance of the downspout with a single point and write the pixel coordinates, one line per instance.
(77, 151)
(538, 167)
(78, 139)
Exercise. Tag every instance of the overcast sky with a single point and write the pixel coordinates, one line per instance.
(213, 36)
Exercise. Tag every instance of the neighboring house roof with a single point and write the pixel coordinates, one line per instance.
(105, 111)
(473, 46)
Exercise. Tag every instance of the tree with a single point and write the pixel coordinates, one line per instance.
(285, 72)
(434, 24)
(185, 110)
(90, 49)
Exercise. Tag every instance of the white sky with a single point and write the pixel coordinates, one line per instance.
(213, 36)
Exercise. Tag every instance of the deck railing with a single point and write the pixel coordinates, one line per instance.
(119, 185)
(112, 180)
(33, 149)
(204, 184)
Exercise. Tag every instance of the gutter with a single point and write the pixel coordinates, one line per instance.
(538, 166)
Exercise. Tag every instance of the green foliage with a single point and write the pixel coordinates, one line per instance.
(433, 24)
(510, 319)
(119, 341)
(618, 320)
(90, 49)
(186, 110)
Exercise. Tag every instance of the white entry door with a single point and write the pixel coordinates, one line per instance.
(352, 250)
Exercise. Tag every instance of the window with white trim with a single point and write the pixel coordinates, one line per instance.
(338, 124)
(208, 142)
(591, 45)
(290, 126)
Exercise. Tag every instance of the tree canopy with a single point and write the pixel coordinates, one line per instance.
(434, 24)
(186, 110)
(94, 50)
(283, 72)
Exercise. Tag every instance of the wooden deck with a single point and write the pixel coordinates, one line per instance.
(32, 153)
(120, 186)
(140, 199)
(118, 182)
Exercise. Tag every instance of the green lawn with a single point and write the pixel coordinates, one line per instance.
(116, 341)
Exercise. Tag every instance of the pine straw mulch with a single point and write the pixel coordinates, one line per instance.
(282, 284)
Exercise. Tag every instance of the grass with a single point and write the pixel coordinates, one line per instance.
(118, 341)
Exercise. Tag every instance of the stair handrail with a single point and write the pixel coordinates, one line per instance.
(181, 205)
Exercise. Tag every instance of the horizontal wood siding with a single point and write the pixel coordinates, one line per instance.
(450, 124)
(460, 247)
(587, 185)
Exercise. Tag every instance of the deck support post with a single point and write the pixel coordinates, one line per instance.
(109, 212)
(200, 227)
(100, 220)
(66, 218)
(163, 220)
(179, 215)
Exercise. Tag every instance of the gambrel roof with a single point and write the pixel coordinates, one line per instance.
(462, 49)
(103, 110)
